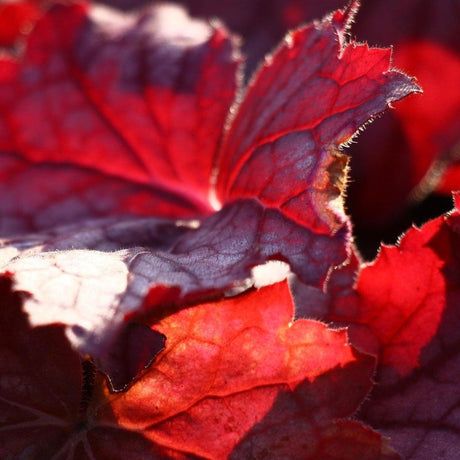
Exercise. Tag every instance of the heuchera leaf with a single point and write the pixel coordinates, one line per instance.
(215, 258)
(125, 112)
(392, 306)
(419, 409)
(414, 150)
(114, 125)
(40, 381)
(386, 151)
(316, 91)
(399, 304)
(404, 309)
(238, 380)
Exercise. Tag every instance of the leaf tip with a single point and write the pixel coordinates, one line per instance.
(401, 86)
(343, 19)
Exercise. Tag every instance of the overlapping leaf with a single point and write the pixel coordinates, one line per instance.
(124, 112)
(399, 149)
(235, 381)
(121, 135)
(404, 309)
(40, 382)
(392, 306)
(419, 409)
(412, 150)
(116, 128)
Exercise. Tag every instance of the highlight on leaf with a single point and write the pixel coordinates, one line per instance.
(279, 172)
(142, 184)
(237, 379)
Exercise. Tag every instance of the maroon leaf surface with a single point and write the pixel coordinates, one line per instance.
(306, 101)
(192, 264)
(414, 149)
(404, 309)
(420, 409)
(392, 306)
(124, 112)
(115, 122)
(118, 139)
(413, 161)
(396, 316)
(40, 382)
(216, 391)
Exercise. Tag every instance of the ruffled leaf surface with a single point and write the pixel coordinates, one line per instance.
(124, 112)
(419, 408)
(116, 129)
(403, 308)
(237, 379)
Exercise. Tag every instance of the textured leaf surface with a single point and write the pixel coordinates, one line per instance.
(282, 173)
(80, 289)
(191, 264)
(125, 112)
(424, 35)
(392, 306)
(420, 409)
(394, 156)
(109, 115)
(215, 392)
(404, 308)
(401, 298)
(310, 97)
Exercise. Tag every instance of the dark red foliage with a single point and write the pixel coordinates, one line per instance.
(115, 126)
(418, 407)
(240, 402)
(417, 160)
(92, 81)
(404, 308)
(143, 189)
(40, 379)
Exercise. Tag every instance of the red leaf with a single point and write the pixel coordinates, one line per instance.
(392, 306)
(414, 153)
(306, 101)
(419, 409)
(141, 106)
(313, 92)
(401, 300)
(404, 308)
(216, 258)
(81, 289)
(280, 175)
(217, 390)
(394, 157)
